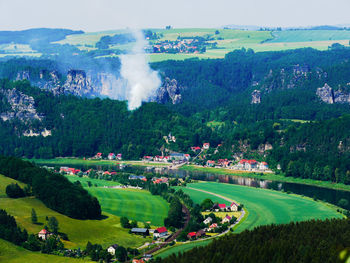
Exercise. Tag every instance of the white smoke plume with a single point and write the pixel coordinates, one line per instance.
(141, 82)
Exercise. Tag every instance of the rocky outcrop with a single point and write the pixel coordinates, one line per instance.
(256, 97)
(23, 75)
(22, 106)
(78, 84)
(169, 92)
(330, 96)
(326, 94)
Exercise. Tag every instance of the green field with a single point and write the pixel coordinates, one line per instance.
(310, 35)
(13, 254)
(135, 204)
(264, 206)
(105, 232)
(84, 181)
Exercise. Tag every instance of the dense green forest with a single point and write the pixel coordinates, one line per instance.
(310, 241)
(53, 189)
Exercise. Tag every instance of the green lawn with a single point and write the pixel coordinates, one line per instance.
(264, 206)
(84, 181)
(105, 232)
(310, 35)
(13, 254)
(135, 204)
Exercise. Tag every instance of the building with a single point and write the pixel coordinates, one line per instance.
(191, 235)
(178, 157)
(208, 220)
(210, 163)
(195, 148)
(44, 234)
(234, 206)
(251, 164)
(160, 232)
(213, 226)
(111, 156)
(226, 219)
(111, 249)
(206, 145)
(119, 156)
(200, 233)
(263, 166)
(140, 231)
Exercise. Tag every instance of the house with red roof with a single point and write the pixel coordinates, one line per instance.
(44, 234)
(98, 156)
(263, 166)
(119, 156)
(111, 156)
(200, 233)
(213, 226)
(160, 232)
(210, 163)
(251, 164)
(191, 235)
(147, 158)
(195, 148)
(206, 145)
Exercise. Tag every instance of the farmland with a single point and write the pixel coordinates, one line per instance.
(264, 206)
(95, 182)
(105, 231)
(13, 254)
(135, 204)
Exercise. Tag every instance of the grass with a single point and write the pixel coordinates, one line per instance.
(135, 204)
(310, 35)
(223, 214)
(105, 232)
(267, 176)
(84, 181)
(11, 253)
(264, 206)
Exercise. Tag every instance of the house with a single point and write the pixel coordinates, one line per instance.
(217, 207)
(234, 206)
(200, 233)
(140, 231)
(187, 157)
(191, 235)
(178, 157)
(44, 234)
(222, 207)
(226, 219)
(138, 260)
(206, 145)
(147, 158)
(213, 226)
(160, 232)
(111, 249)
(195, 148)
(251, 164)
(119, 156)
(111, 156)
(210, 163)
(241, 164)
(98, 156)
(263, 166)
(208, 220)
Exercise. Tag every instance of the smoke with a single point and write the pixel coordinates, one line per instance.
(141, 82)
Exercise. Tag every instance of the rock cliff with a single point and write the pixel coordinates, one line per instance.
(170, 91)
(330, 96)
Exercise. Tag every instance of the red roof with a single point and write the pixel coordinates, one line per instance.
(243, 161)
(263, 163)
(234, 203)
(44, 231)
(195, 148)
(161, 229)
(213, 225)
(206, 144)
(222, 205)
(252, 161)
(111, 154)
(211, 161)
(192, 234)
(99, 154)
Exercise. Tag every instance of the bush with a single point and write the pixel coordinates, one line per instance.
(14, 191)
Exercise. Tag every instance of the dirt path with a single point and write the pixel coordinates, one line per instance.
(223, 197)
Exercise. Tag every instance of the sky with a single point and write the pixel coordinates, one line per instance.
(99, 15)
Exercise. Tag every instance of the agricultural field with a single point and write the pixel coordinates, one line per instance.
(105, 231)
(135, 204)
(309, 35)
(11, 253)
(95, 182)
(264, 206)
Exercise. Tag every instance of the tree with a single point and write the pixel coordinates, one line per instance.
(53, 224)
(207, 204)
(343, 203)
(14, 191)
(34, 216)
(124, 221)
(133, 224)
(121, 254)
(89, 183)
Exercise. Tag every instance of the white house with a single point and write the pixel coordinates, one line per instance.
(111, 250)
(226, 219)
(234, 206)
(44, 234)
(263, 166)
(160, 232)
(111, 156)
(208, 220)
(206, 145)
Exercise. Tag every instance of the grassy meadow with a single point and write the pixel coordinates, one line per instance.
(264, 206)
(135, 204)
(11, 253)
(105, 231)
(84, 181)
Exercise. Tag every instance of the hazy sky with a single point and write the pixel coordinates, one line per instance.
(96, 15)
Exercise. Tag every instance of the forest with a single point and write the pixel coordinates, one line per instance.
(309, 241)
(53, 189)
